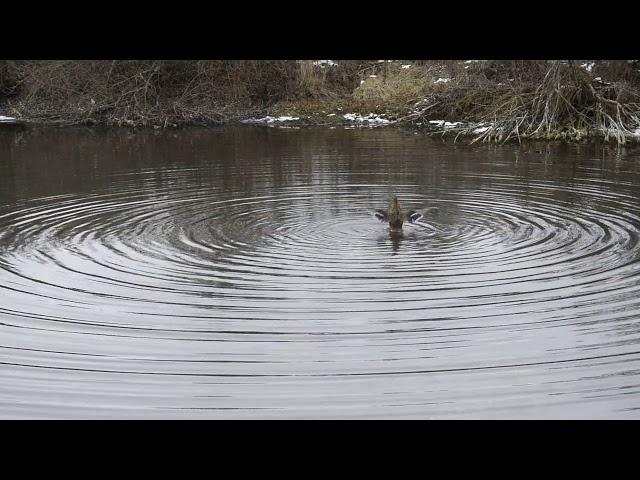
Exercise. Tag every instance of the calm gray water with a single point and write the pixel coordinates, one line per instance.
(240, 273)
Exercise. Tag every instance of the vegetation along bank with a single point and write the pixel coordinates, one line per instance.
(482, 100)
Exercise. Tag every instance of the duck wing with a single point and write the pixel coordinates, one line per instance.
(413, 216)
(381, 215)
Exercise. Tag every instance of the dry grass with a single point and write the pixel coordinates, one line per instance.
(516, 99)
(394, 85)
(154, 92)
(567, 104)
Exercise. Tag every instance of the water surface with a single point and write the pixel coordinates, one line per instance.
(240, 273)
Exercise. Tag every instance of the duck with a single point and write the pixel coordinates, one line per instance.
(395, 216)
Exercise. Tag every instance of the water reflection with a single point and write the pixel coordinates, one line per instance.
(239, 272)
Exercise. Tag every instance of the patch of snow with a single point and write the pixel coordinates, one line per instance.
(442, 80)
(442, 123)
(269, 119)
(588, 66)
(361, 82)
(613, 132)
(405, 66)
(325, 63)
(371, 119)
(373, 76)
(331, 114)
(471, 61)
(480, 129)
(6, 119)
(286, 119)
(598, 79)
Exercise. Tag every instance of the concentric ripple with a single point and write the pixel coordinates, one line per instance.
(226, 287)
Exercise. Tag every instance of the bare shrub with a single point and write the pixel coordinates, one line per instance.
(511, 98)
(567, 104)
(151, 91)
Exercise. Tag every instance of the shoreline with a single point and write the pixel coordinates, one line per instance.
(496, 101)
(459, 131)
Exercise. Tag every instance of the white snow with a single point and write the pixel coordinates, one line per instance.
(588, 66)
(420, 102)
(442, 123)
(613, 132)
(6, 119)
(268, 119)
(370, 119)
(373, 76)
(286, 119)
(331, 114)
(480, 129)
(325, 63)
(442, 80)
(405, 66)
(598, 79)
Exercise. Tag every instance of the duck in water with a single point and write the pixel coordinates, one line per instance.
(396, 217)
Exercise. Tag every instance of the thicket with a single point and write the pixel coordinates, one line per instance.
(511, 99)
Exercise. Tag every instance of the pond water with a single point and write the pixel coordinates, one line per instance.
(240, 273)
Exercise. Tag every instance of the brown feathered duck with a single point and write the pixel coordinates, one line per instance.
(395, 216)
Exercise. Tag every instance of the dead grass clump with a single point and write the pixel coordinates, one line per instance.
(395, 86)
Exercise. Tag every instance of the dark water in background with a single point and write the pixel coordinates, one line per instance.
(239, 273)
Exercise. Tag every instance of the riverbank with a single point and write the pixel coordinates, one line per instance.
(479, 100)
